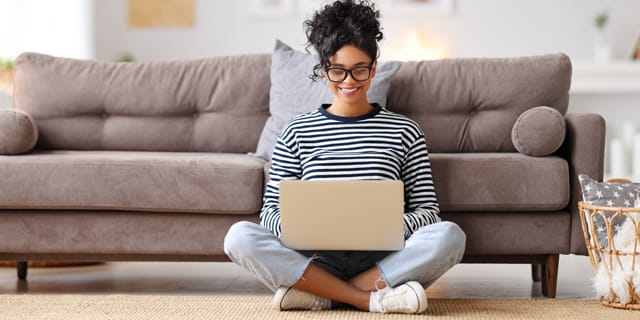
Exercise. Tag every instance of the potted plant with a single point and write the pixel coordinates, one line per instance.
(6, 70)
(602, 50)
(126, 57)
(6, 75)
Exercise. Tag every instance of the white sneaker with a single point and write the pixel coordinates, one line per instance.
(406, 298)
(292, 299)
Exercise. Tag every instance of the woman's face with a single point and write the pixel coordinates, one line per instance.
(348, 63)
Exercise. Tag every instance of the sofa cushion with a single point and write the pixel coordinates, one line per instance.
(293, 92)
(539, 131)
(18, 131)
(500, 182)
(93, 235)
(200, 105)
(513, 234)
(144, 181)
(471, 104)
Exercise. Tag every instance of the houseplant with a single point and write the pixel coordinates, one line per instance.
(602, 50)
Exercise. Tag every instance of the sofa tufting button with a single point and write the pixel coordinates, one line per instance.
(104, 116)
(195, 115)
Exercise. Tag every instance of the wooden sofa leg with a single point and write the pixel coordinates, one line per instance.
(536, 272)
(21, 266)
(550, 276)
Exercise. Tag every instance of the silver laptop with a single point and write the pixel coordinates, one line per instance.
(342, 215)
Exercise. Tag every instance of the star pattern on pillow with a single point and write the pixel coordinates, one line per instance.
(609, 194)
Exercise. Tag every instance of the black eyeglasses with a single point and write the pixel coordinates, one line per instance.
(359, 74)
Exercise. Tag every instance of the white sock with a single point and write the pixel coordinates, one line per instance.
(373, 306)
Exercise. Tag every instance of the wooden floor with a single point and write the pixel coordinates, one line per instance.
(199, 278)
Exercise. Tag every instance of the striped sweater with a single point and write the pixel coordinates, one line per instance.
(380, 145)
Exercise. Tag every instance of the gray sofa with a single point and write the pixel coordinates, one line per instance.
(150, 161)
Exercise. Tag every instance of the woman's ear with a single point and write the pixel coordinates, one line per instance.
(374, 66)
(323, 73)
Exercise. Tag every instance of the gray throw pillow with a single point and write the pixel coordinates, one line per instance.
(608, 194)
(293, 92)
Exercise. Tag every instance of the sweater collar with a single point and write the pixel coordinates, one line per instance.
(371, 114)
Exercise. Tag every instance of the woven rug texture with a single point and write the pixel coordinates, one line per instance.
(142, 307)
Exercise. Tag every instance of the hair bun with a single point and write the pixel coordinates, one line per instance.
(343, 23)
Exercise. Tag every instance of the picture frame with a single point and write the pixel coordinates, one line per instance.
(271, 8)
(165, 13)
(416, 7)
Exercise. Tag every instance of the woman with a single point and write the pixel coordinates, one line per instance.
(350, 139)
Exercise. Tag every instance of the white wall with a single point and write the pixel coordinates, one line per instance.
(476, 28)
(62, 28)
(221, 28)
(99, 29)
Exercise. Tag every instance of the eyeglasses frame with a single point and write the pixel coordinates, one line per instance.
(349, 72)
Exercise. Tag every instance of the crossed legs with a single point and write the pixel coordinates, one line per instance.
(318, 281)
(428, 254)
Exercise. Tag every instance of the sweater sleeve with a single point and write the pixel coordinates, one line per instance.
(421, 204)
(285, 165)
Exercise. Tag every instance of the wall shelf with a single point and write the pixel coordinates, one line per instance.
(615, 77)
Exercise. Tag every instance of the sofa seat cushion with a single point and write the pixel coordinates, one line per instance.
(500, 182)
(140, 181)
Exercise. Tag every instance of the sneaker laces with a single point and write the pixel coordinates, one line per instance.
(313, 302)
(318, 304)
(305, 300)
(393, 299)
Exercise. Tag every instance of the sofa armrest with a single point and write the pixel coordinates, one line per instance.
(584, 149)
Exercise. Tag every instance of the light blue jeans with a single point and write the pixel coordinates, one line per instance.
(427, 255)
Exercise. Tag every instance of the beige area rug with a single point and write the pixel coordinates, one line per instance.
(96, 307)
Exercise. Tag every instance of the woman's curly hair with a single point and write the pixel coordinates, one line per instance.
(346, 22)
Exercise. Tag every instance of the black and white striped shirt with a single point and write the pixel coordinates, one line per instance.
(380, 145)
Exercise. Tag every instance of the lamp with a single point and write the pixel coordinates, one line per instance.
(415, 47)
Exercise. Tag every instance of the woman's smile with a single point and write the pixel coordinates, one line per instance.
(350, 91)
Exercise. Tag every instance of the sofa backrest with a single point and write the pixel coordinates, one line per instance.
(215, 105)
(471, 104)
(221, 104)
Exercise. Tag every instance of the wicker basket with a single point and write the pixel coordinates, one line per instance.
(614, 253)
